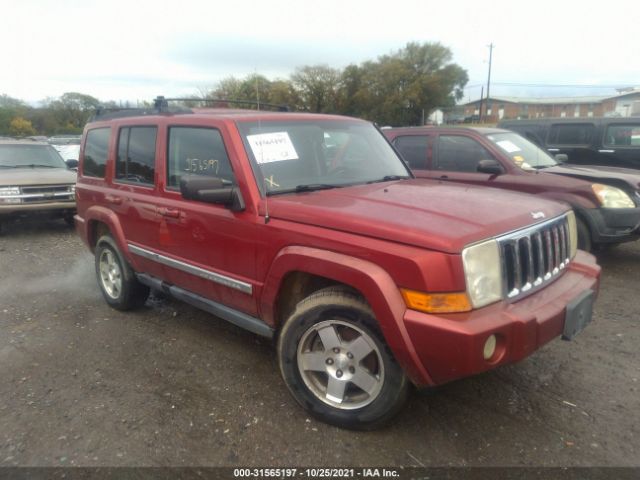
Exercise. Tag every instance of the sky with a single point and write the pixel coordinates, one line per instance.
(138, 49)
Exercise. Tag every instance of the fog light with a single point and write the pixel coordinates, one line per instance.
(489, 347)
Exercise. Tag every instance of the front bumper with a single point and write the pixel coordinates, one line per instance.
(18, 209)
(451, 346)
(612, 225)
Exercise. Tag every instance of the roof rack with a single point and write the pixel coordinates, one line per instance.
(161, 105)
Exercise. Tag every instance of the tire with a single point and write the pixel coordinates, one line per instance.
(116, 278)
(584, 236)
(336, 363)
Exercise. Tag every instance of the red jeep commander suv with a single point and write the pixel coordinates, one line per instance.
(311, 230)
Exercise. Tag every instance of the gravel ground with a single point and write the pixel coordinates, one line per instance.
(169, 385)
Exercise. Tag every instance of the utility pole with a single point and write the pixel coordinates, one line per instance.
(489, 76)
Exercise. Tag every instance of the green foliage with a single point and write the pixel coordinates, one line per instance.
(396, 89)
(19, 127)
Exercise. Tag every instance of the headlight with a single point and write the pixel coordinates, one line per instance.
(10, 195)
(71, 188)
(612, 197)
(9, 191)
(483, 273)
(573, 234)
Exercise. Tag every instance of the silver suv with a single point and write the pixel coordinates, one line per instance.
(35, 179)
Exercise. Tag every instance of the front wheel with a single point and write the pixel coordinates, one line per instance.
(118, 283)
(336, 364)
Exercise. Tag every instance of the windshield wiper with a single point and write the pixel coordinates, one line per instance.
(37, 165)
(314, 186)
(388, 178)
(311, 187)
(8, 166)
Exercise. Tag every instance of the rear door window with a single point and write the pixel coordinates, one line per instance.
(457, 153)
(136, 155)
(571, 134)
(413, 149)
(96, 149)
(627, 135)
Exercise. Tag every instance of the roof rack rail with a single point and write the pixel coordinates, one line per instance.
(162, 103)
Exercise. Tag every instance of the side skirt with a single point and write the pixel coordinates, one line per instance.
(231, 315)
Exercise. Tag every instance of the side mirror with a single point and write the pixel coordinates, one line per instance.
(492, 167)
(72, 164)
(561, 157)
(211, 190)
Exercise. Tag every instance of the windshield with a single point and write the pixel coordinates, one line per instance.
(309, 155)
(524, 154)
(24, 156)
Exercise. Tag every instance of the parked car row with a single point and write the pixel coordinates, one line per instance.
(607, 141)
(311, 230)
(606, 201)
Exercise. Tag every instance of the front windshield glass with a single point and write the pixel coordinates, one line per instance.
(524, 154)
(25, 156)
(289, 156)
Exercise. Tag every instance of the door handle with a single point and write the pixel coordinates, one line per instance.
(169, 212)
(444, 177)
(607, 151)
(553, 149)
(113, 199)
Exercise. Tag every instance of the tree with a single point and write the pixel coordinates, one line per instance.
(399, 88)
(72, 110)
(318, 87)
(19, 127)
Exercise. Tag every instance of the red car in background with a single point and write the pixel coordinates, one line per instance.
(606, 200)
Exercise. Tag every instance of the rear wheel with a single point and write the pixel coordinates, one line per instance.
(118, 283)
(336, 364)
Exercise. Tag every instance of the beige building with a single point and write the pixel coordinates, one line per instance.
(626, 103)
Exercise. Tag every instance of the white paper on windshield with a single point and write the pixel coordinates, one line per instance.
(508, 146)
(272, 147)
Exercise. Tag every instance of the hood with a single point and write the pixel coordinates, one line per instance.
(428, 214)
(600, 174)
(36, 176)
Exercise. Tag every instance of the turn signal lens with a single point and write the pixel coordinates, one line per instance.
(436, 302)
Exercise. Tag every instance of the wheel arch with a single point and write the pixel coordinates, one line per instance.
(317, 268)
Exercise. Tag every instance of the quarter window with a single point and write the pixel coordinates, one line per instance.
(457, 153)
(136, 155)
(623, 135)
(413, 149)
(571, 134)
(96, 147)
(196, 151)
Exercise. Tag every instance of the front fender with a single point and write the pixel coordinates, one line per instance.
(374, 283)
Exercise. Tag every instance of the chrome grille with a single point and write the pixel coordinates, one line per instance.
(46, 193)
(534, 256)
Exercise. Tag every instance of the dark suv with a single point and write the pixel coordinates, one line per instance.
(609, 141)
(606, 201)
(309, 229)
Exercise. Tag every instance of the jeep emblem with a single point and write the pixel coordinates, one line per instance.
(537, 215)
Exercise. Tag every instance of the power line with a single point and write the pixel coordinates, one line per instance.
(553, 85)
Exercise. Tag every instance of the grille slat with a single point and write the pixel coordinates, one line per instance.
(534, 256)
